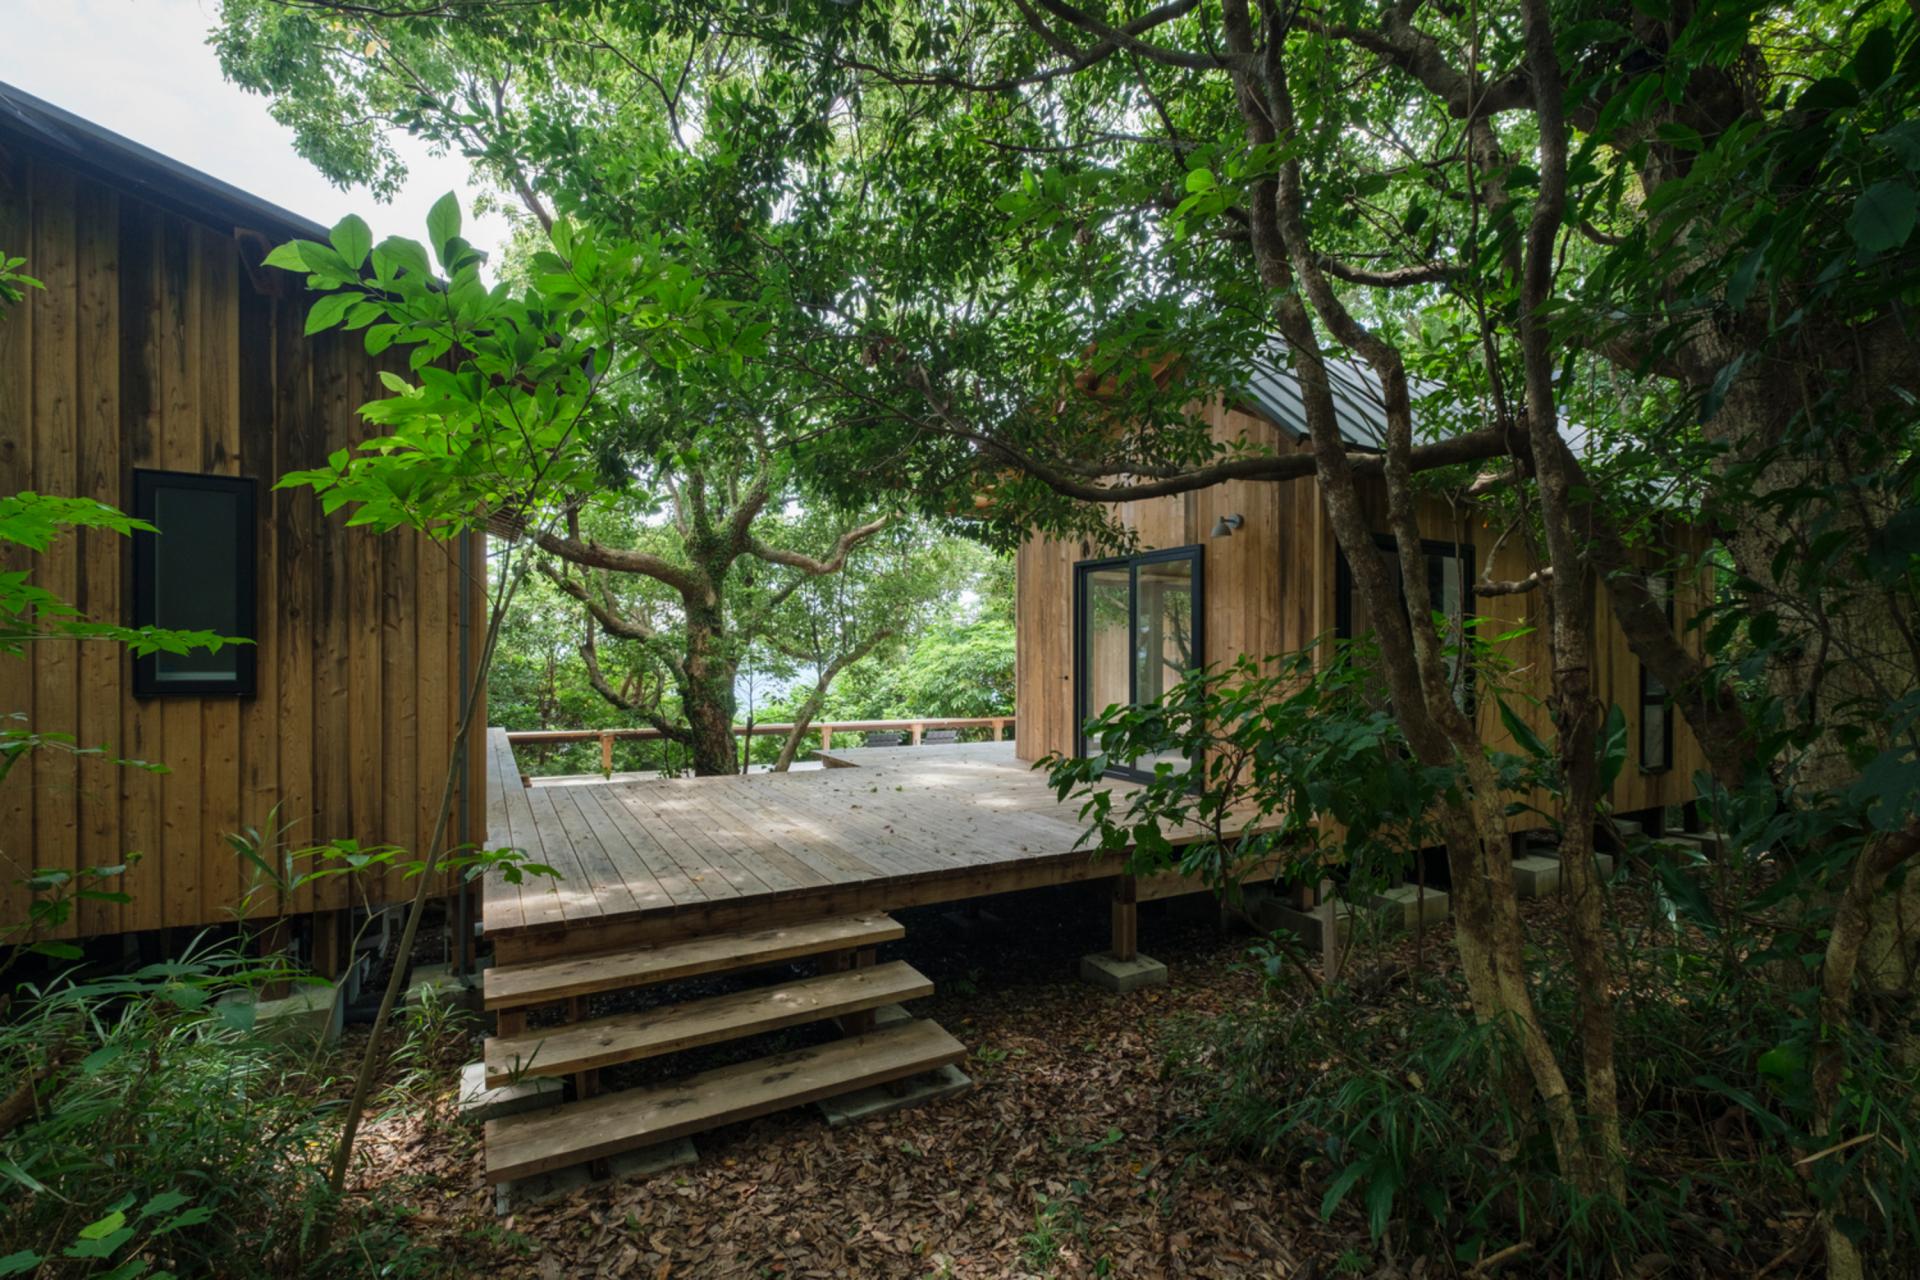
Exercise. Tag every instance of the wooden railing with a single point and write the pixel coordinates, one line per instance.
(915, 729)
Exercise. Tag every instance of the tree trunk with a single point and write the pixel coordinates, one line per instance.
(811, 707)
(707, 699)
(1853, 923)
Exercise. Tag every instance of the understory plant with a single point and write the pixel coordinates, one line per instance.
(1377, 1093)
(1402, 1100)
(151, 1130)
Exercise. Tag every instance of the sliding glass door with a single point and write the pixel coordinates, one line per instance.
(1137, 633)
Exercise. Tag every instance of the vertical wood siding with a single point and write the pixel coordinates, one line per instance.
(151, 347)
(1270, 590)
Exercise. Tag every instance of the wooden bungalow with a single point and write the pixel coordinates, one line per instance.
(161, 370)
(1253, 568)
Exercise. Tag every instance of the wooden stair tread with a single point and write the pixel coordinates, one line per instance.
(629, 1037)
(550, 981)
(534, 1142)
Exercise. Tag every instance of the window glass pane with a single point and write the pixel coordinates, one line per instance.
(1163, 651)
(1653, 735)
(196, 579)
(1447, 579)
(1450, 601)
(1103, 633)
(1138, 634)
(1163, 639)
(1656, 726)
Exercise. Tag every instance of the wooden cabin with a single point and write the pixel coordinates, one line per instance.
(163, 371)
(1253, 568)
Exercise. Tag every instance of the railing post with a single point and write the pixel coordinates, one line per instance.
(999, 729)
(606, 752)
(917, 727)
(826, 737)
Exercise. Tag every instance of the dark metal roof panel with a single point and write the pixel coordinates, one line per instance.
(1273, 390)
(123, 163)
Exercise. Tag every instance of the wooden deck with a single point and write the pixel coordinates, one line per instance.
(648, 861)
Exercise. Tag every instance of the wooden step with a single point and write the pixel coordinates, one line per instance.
(629, 1037)
(550, 981)
(553, 1138)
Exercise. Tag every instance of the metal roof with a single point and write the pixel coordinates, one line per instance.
(1274, 390)
(125, 164)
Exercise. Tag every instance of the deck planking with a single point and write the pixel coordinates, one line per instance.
(665, 857)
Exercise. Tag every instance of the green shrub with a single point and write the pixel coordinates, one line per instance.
(1387, 1101)
(168, 1138)
(1387, 1108)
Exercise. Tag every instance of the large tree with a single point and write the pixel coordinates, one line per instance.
(980, 227)
(664, 563)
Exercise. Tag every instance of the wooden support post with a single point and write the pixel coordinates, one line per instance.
(999, 730)
(826, 737)
(329, 949)
(851, 1024)
(918, 728)
(271, 944)
(606, 753)
(585, 1083)
(511, 1022)
(1126, 918)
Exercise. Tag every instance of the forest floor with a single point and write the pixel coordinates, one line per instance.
(1066, 1159)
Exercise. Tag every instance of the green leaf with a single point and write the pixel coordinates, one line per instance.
(1341, 1185)
(1523, 734)
(1612, 747)
(101, 1058)
(1874, 62)
(329, 311)
(287, 257)
(1903, 140)
(1782, 1062)
(380, 337)
(165, 1202)
(352, 240)
(1684, 892)
(1883, 216)
(18, 1264)
(1741, 283)
(235, 1015)
(101, 1228)
(443, 224)
(402, 254)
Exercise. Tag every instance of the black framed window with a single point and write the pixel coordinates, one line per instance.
(1449, 578)
(1137, 633)
(1656, 704)
(197, 573)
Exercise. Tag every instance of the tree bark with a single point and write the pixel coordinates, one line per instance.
(803, 716)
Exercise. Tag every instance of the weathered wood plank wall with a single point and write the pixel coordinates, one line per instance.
(151, 346)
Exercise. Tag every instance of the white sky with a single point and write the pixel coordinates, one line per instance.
(142, 68)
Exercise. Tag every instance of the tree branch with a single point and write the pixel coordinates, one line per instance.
(593, 555)
(807, 564)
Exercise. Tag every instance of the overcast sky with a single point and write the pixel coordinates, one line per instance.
(143, 69)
